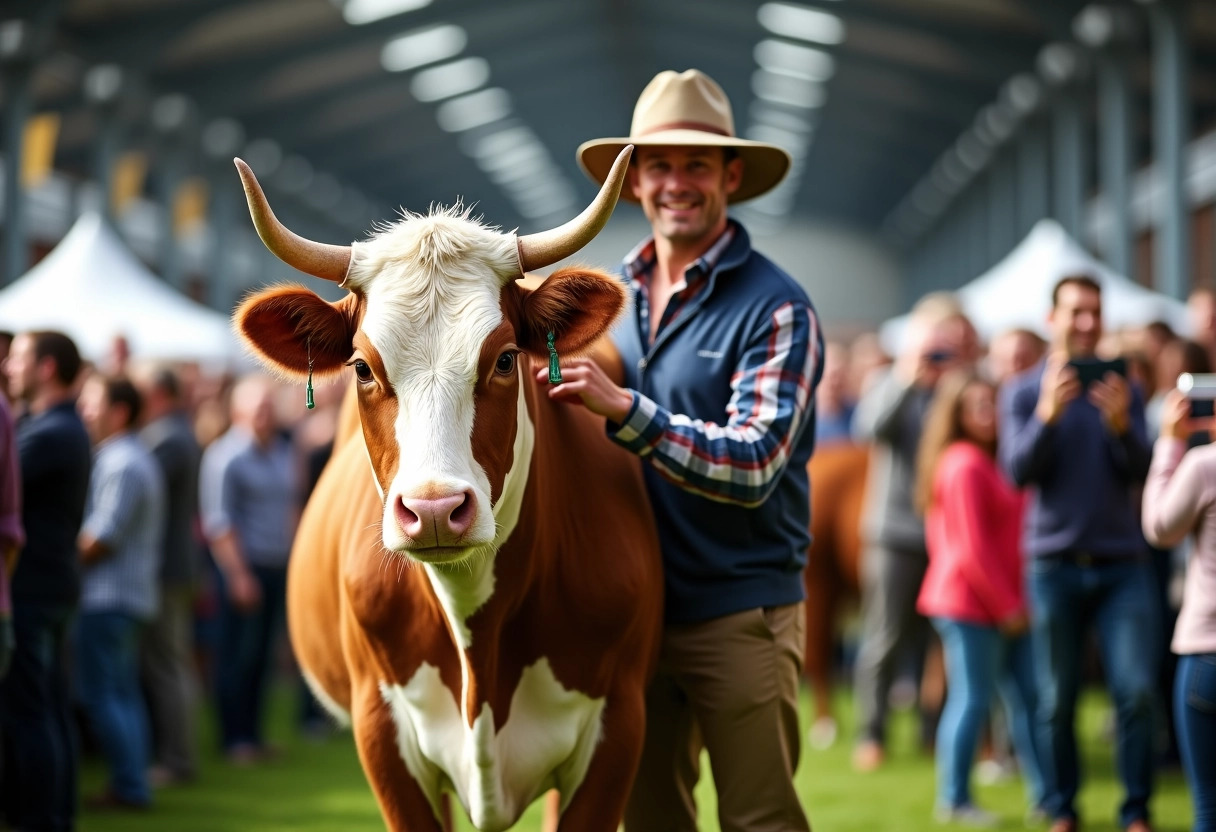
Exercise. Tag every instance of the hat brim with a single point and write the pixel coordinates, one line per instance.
(764, 165)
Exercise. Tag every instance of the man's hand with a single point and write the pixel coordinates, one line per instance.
(583, 382)
(244, 590)
(1112, 395)
(1057, 389)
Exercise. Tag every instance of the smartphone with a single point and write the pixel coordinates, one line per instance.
(1200, 389)
(1090, 370)
(1202, 408)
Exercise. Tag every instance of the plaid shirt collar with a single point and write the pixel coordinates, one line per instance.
(639, 267)
(639, 263)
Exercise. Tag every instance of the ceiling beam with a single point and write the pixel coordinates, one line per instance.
(486, 26)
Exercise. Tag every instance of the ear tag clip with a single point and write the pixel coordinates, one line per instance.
(555, 367)
(309, 403)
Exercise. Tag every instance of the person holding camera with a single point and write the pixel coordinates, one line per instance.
(1180, 500)
(1073, 432)
(891, 416)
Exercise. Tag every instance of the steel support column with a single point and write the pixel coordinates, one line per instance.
(224, 200)
(1069, 161)
(977, 231)
(172, 167)
(1003, 204)
(1171, 131)
(18, 102)
(1115, 163)
(105, 156)
(1033, 177)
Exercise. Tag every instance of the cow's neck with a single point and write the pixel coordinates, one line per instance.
(464, 589)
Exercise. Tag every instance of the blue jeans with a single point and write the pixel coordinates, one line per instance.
(1195, 720)
(107, 663)
(244, 657)
(39, 781)
(1066, 598)
(979, 661)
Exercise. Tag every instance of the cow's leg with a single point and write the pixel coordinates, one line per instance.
(599, 801)
(402, 803)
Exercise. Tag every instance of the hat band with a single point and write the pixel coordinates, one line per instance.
(687, 125)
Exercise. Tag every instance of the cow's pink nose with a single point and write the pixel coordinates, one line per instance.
(436, 522)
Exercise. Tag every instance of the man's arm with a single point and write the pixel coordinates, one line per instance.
(739, 462)
(1122, 409)
(877, 416)
(1025, 440)
(217, 494)
(116, 497)
(1028, 418)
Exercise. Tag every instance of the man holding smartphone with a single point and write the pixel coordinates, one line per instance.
(1082, 451)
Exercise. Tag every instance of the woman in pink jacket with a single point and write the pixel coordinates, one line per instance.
(973, 589)
(1180, 500)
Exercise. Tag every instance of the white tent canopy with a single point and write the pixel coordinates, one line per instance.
(93, 288)
(1016, 292)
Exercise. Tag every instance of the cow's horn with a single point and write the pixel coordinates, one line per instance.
(318, 259)
(545, 248)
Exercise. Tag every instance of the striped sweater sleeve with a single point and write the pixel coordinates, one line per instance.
(739, 462)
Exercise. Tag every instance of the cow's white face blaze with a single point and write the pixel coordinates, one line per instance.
(433, 349)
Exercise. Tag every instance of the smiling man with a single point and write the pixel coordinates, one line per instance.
(721, 355)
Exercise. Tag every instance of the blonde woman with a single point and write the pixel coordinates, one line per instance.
(973, 591)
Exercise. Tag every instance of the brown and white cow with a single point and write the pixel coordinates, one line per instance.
(483, 602)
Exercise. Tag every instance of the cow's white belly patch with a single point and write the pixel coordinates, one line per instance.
(546, 742)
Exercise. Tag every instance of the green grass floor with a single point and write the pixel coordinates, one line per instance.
(318, 786)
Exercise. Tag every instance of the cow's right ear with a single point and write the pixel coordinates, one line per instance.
(286, 325)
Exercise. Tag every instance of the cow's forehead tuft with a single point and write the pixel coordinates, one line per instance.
(446, 243)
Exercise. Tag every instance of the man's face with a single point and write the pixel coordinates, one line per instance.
(1076, 322)
(1201, 308)
(683, 191)
(21, 369)
(101, 418)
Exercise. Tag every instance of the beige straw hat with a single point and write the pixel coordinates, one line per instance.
(687, 109)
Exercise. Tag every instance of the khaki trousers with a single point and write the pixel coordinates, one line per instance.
(730, 686)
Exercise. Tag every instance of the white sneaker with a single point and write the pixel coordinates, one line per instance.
(966, 815)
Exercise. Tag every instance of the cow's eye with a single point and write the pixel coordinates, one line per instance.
(362, 371)
(506, 364)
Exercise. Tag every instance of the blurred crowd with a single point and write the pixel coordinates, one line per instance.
(147, 513)
(1031, 501)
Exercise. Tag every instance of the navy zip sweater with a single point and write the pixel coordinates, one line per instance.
(723, 414)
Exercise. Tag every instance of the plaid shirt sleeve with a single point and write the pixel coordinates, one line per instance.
(739, 462)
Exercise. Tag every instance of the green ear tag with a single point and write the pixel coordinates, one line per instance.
(309, 403)
(555, 367)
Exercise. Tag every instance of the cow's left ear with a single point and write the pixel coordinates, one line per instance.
(289, 327)
(578, 305)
